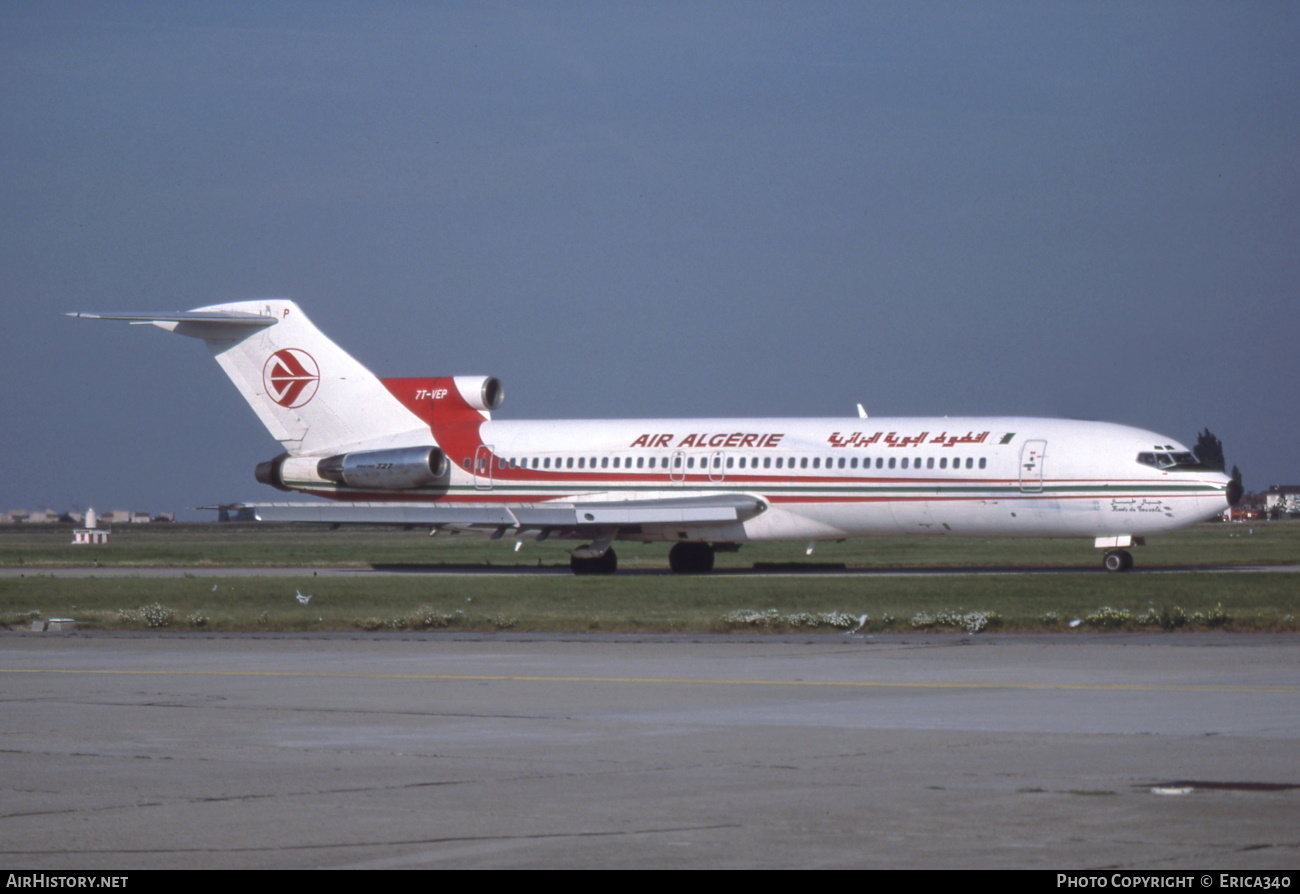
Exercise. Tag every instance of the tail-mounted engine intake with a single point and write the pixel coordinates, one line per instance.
(480, 392)
(386, 469)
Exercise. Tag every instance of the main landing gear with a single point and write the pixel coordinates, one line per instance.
(683, 558)
(605, 563)
(1118, 560)
(691, 558)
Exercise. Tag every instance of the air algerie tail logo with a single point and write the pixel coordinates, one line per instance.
(291, 377)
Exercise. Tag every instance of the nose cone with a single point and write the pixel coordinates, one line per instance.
(1234, 492)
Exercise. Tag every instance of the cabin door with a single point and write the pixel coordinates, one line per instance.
(483, 467)
(1032, 457)
(677, 467)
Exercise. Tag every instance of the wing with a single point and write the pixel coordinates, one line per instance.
(577, 519)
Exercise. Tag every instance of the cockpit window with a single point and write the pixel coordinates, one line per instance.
(1182, 460)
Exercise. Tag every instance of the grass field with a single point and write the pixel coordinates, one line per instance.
(1266, 543)
(1180, 599)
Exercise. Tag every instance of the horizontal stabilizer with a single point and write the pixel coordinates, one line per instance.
(223, 317)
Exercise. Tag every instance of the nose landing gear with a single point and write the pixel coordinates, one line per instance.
(1118, 560)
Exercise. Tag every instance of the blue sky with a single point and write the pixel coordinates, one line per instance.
(1086, 210)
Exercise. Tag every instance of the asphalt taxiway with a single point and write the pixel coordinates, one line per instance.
(1064, 751)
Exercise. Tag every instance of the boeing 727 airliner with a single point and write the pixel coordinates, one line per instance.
(425, 451)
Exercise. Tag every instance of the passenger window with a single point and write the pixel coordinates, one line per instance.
(983, 462)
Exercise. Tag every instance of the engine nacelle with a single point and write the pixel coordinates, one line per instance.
(397, 469)
(480, 392)
(272, 472)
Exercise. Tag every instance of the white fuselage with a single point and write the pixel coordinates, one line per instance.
(826, 479)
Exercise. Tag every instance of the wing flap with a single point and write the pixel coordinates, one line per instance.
(487, 516)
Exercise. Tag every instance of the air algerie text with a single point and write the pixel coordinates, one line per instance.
(705, 439)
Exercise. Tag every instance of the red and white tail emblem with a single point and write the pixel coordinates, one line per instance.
(291, 377)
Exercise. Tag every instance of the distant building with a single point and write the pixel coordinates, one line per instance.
(236, 512)
(50, 517)
(39, 517)
(1248, 508)
(1283, 498)
(92, 534)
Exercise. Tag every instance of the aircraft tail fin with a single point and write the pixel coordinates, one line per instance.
(312, 396)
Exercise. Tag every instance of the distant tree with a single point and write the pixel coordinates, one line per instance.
(1209, 450)
(1236, 475)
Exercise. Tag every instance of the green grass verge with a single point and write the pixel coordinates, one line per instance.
(1261, 543)
(664, 603)
(1175, 600)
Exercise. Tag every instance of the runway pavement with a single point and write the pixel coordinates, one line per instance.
(792, 570)
(374, 751)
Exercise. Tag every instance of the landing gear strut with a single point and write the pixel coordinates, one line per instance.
(1118, 560)
(605, 563)
(691, 558)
